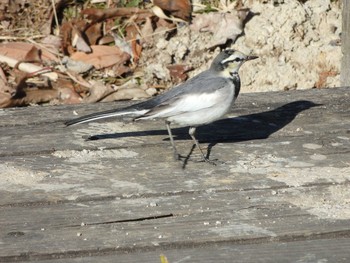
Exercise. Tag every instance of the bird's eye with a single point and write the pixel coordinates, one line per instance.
(237, 60)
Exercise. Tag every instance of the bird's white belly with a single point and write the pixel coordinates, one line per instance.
(205, 115)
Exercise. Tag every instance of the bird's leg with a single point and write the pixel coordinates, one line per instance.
(192, 132)
(176, 155)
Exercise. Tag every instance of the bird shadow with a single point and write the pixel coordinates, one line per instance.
(248, 127)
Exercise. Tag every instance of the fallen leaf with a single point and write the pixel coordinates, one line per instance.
(102, 56)
(132, 34)
(127, 94)
(66, 33)
(34, 96)
(33, 54)
(6, 91)
(2, 76)
(97, 92)
(147, 32)
(51, 41)
(179, 8)
(94, 33)
(224, 26)
(178, 72)
(20, 50)
(122, 43)
(68, 96)
(29, 68)
(99, 15)
(76, 66)
(79, 42)
(5, 100)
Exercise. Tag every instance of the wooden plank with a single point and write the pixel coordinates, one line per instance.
(325, 250)
(242, 217)
(345, 45)
(285, 178)
(247, 103)
(310, 142)
(262, 121)
(78, 175)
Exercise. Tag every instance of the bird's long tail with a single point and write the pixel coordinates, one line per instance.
(132, 112)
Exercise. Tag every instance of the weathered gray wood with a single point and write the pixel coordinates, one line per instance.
(245, 217)
(257, 119)
(325, 250)
(284, 183)
(345, 44)
(246, 103)
(68, 175)
(62, 166)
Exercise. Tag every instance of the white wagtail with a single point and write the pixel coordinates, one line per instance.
(205, 98)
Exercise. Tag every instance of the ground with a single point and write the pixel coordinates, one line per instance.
(298, 44)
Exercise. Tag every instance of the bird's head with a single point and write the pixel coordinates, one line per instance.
(229, 61)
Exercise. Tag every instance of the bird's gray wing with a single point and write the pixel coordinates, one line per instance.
(195, 95)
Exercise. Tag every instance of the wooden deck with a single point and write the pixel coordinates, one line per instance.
(280, 192)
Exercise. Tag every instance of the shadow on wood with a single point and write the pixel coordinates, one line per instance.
(243, 128)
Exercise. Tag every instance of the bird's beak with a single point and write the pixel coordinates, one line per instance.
(251, 57)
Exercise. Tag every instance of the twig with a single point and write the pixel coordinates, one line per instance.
(55, 15)
(20, 38)
(150, 35)
(77, 81)
(45, 48)
(28, 67)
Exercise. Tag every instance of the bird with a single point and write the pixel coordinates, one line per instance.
(200, 100)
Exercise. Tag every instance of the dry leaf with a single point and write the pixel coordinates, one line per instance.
(79, 42)
(94, 33)
(178, 72)
(180, 8)
(19, 51)
(6, 91)
(99, 15)
(73, 35)
(127, 94)
(28, 67)
(34, 96)
(68, 96)
(224, 26)
(2, 76)
(66, 32)
(5, 100)
(33, 54)
(122, 43)
(98, 91)
(147, 32)
(76, 66)
(132, 34)
(102, 56)
(52, 42)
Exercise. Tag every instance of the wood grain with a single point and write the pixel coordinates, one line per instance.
(278, 193)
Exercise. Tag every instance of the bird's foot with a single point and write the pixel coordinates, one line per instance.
(176, 156)
(214, 162)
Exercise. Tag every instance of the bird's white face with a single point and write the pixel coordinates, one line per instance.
(233, 62)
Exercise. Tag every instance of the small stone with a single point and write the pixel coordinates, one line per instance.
(153, 204)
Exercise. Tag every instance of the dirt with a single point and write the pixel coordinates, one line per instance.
(298, 45)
